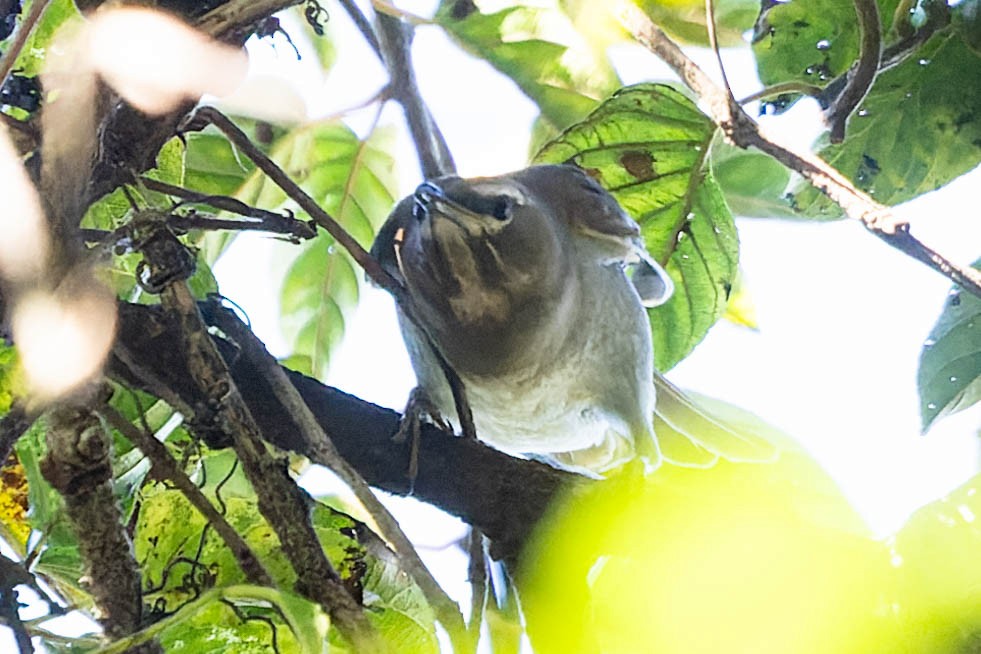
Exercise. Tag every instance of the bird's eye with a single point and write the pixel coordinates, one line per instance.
(502, 207)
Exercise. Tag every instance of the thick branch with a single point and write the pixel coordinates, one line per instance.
(503, 496)
(78, 465)
(282, 503)
(325, 452)
(744, 132)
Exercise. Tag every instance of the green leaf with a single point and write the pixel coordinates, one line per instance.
(918, 129)
(353, 181)
(967, 21)
(949, 378)
(539, 49)
(754, 184)
(647, 145)
(31, 59)
(810, 41)
(685, 19)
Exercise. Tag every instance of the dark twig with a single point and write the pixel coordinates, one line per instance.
(744, 132)
(266, 221)
(165, 467)
(13, 574)
(27, 25)
(477, 572)
(780, 89)
(324, 452)
(861, 76)
(396, 42)
(714, 44)
(298, 195)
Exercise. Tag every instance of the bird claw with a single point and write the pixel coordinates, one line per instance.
(418, 408)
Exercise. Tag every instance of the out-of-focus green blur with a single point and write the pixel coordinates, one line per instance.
(749, 558)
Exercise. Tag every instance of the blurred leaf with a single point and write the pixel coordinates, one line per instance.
(736, 557)
(539, 49)
(949, 377)
(918, 129)
(685, 19)
(353, 181)
(647, 145)
(31, 59)
(935, 556)
(741, 310)
(754, 184)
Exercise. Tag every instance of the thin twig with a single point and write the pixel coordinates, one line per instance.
(267, 221)
(781, 89)
(298, 195)
(744, 132)
(714, 44)
(165, 467)
(861, 76)
(477, 572)
(323, 451)
(938, 17)
(27, 25)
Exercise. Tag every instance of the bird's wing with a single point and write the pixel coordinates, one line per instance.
(690, 435)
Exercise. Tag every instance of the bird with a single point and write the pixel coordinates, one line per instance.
(534, 287)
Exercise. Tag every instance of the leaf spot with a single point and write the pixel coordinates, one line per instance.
(639, 164)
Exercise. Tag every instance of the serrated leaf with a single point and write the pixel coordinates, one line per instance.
(540, 50)
(352, 180)
(917, 129)
(647, 145)
(949, 376)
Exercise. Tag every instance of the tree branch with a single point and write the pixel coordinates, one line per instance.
(503, 496)
(324, 452)
(266, 221)
(78, 465)
(744, 132)
(27, 25)
(282, 503)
